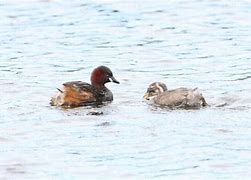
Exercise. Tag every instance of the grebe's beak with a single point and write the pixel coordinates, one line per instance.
(112, 79)
(146, 96)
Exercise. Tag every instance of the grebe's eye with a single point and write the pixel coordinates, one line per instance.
(110, 75)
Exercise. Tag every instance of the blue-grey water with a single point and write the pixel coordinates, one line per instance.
(205, 44)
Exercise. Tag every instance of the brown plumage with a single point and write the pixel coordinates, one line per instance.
(79, 93)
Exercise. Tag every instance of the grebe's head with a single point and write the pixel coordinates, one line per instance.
(102, 75)
(154, 89)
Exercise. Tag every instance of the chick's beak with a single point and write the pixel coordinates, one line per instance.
(112, 79)
(146, 96)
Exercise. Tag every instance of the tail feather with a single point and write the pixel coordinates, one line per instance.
(204, 103)
(52, 101)
(58, 99)
(60, 90)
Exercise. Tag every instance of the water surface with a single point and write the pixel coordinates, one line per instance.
(195, 43)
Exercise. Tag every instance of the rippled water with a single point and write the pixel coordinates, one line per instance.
(205, 44)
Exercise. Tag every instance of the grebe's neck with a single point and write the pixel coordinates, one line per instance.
(98, 85)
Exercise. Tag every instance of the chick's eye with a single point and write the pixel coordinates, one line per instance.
(150, 90)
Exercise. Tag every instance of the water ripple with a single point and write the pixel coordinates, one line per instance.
(204, 44)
